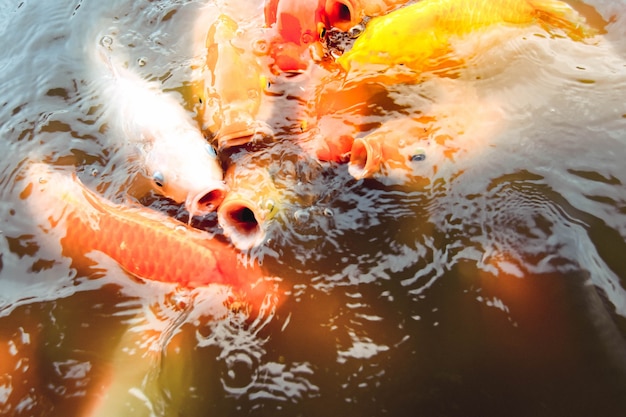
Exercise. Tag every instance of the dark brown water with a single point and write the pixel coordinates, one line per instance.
(490, 283)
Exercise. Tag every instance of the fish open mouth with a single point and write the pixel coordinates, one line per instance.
(242, 221)
(340, 14)
(364, 159)
(206, 201)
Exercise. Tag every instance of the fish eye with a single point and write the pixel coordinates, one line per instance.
(159, 179)
(211, 151)
(321, 30)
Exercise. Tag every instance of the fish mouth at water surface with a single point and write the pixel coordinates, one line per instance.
(242, 132)
(242, 221)
(207, 200)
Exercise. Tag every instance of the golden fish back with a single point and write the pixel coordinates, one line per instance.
(417, 33)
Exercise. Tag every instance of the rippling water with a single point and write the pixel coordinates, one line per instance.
(491, 281)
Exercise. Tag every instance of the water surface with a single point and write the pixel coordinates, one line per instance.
(490, 282)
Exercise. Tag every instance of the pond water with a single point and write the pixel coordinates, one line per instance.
(488, 281)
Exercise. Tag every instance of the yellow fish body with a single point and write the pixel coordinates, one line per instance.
(416, 34)
(236, 83)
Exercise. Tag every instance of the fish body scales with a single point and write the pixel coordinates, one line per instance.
(143, 242)
(143, 247)
(417, 33)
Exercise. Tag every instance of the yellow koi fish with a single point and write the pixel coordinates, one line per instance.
(416, 36)
(234, 83)
(251, 201)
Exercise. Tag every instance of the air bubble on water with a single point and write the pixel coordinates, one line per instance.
(240, 373)
(260, 47)
(106, 41)
(142, 61)
(302, 216)
(307, 38)
(253, 94)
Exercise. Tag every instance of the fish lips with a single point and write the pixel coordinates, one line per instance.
(206, 200)
(242, 132)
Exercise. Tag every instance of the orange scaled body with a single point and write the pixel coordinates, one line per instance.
(144, 243)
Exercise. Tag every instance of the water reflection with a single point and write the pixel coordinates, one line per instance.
(491, 284)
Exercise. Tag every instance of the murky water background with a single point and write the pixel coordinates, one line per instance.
(492, 283)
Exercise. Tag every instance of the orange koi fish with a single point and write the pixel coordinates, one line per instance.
(146, 244)
(418, 35)
(418, 146)
(300, 25)
(173, 152)
(235, 84)
(339, 112)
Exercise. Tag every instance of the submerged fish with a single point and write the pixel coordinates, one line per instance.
(173, 152)
(417, 35)
(146, 244)
(234, 83)
(300, 25)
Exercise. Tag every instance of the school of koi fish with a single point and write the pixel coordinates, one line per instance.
(296, 38)
(339, 52)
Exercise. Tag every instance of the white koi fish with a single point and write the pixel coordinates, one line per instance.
(173, 152)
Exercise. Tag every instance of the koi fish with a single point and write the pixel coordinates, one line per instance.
(340, 111)
(417, 35)
(146, 244)
(300, 25)
(418, 146)
(252, 200)
(234, 82)
(173, 152)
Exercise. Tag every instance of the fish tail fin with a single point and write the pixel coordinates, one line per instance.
(558, 14)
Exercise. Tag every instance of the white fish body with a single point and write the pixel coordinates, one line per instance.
(173, 152)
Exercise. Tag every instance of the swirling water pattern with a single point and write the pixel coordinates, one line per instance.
(493, 283)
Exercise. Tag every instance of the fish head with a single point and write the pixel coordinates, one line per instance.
(299, 27)
(251, 202)
(187, 172)
(343, 14)
(296, 26)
